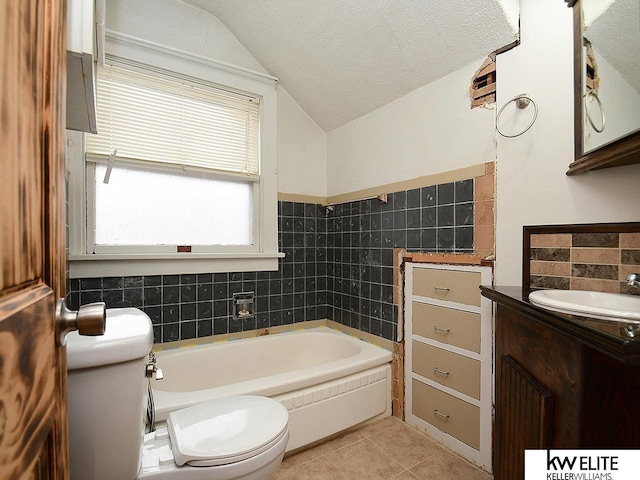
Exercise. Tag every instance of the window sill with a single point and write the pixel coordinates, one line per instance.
(118, 265)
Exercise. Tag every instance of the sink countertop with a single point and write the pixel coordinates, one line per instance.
(608, 336)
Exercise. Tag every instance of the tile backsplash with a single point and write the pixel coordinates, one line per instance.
(338, 265)
(583, 260)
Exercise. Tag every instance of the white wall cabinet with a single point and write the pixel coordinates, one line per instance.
(85, 38)
(448, 363)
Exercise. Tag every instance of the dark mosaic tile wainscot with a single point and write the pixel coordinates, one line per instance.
(337, 265)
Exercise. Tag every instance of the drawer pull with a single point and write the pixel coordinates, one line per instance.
(441, 415)
(440, 329)
(440, 372)
(441, 289)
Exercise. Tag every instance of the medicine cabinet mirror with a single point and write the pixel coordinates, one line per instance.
(606, 83)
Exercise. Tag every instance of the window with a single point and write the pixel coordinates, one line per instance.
(135, 209)
(187, 162)
(181, 172)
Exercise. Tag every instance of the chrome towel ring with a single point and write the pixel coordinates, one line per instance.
(587, 110)
(522, 101)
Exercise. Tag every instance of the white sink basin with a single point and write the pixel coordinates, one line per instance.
(606, 306)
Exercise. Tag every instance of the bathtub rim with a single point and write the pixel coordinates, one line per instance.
(276, 330)
(167, 401)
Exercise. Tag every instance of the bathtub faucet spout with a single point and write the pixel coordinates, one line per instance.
(633, 279)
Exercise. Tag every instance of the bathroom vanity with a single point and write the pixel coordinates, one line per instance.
(562, 381)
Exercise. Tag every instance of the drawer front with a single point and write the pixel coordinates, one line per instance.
(449, 285)
(447, 368)
(447, 325)
(454, 416)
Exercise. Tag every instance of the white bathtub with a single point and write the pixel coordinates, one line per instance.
(329, 381)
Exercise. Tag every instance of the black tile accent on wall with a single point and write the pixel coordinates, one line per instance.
(337, 265)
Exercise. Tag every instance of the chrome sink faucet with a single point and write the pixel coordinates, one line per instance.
(633, 279)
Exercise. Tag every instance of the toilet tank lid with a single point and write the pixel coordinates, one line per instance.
(128, 336)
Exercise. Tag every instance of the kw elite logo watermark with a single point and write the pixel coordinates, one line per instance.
(581, 464)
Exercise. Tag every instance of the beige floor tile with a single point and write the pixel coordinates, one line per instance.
(447, 466)
(406, 475)
(364, 460)
(340, 442)
(317, 469)
(300, 458)
(406, 445)
(387, 449)
(379, 426)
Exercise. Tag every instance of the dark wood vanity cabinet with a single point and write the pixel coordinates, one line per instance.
(560, 383)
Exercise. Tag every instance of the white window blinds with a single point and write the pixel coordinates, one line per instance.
(174, 121)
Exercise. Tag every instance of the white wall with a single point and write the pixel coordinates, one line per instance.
(430, 130)
(532, 188)
(302, 150)
(301, 143)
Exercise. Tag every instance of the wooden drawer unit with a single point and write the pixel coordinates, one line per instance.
(448, 413)
(448, 357)
(448, 285)
(447, 325)
(447, 368)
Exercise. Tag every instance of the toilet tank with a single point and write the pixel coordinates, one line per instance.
(107, 393)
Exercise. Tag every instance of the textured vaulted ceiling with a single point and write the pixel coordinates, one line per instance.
(341, 59)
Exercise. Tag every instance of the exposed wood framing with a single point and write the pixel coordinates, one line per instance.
(483, 86)
(592, 80)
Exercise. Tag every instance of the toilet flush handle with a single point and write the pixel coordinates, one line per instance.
(89, 320)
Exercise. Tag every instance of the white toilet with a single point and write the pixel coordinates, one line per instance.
(240, 437)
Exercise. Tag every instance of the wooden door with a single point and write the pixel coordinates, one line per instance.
(33, 423)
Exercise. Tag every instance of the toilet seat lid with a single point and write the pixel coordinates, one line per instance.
(226, 430)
